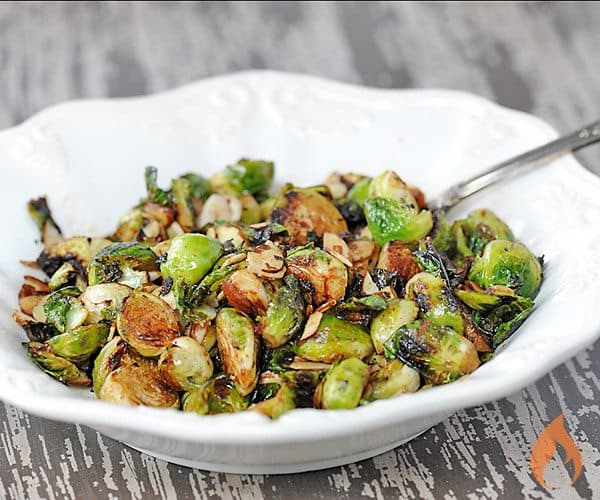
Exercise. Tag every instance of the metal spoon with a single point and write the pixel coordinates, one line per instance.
(518, 165)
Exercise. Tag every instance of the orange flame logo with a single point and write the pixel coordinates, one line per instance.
(545, 448)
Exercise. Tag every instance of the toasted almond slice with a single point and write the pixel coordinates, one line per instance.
(336, 246)
(267, 261)
(312, 325)
(326, 306)
(302, 364)
(368, 285)
(234, 259)
(36, 284)
(30, 263)
(337, 189)
(269, 377)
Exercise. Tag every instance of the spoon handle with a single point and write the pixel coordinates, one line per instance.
(519, 164)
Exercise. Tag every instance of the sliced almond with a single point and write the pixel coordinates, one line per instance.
(337, 189)
(368, 285)
(234, 259)
(326, 306)
(312, 325)
(267, 261)
(336, 246)
(303, 364)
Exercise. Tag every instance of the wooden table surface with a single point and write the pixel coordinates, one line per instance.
(542, 58)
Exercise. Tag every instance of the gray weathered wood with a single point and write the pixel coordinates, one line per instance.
(541, 58)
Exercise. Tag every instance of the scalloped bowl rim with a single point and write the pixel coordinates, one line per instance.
(253, 428)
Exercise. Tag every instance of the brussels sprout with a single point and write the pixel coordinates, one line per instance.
(104, 301)
(81, 343)
(223, 396)
(389, 185)
(78, 250)
(59, 368)
(510, 264)
(190, 257)
(199, 187)
(484, 300)
(282, 402)
(246, 292)
(238, 347)
(363, 254)
(154, 193)
(195, 401)
(326, 274)
(63, 310)
(203, 332)
(398, 313)
(66, 275)
(477, 230)
(390, 378)
(147, 323)
(343, 385)
(397, 257)
(443, 236)
(304, 210)
(352, 213)
(502, 321)
(40, 213)
(130, 226)
(285, 314)
(391, 220)
(335, 339)
(185, 364)
(245, 177)
(360, 191)
(126, 263)
(122, 376)
(181, 190)
(35, 330)
(266, 206)
(436, 302)
(251, 213)
(439, 353)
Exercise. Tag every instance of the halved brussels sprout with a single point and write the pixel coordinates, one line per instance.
(199, 188)
(285, 314)
(35, 330)
(304, 210)
(436, 302)
(185, 364)
(398, 313)
(251, 212)
(360, 191)
(439, 353)
(126, 263)
(397, 257)
(129, 226)
(63, 310)
(501, 322)
(335, 339)
(40, 213)
(110, 357)
(477, 230)
(510, 264)
(66, 275)
(81, 343)
(327, 275)
(57, 367)
(76, 249)
(203, 332)
(390, 220)
(245, 177)
(343, 385)
(484, 300)
(195, 401)
(390, 185)
(147, 323)
(190, 257)
(104, 301)
(273, 407)
(246, 292)
(390, 378)
(223, 396)
(238, 347)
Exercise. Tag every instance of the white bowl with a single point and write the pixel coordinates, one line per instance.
(88, 156)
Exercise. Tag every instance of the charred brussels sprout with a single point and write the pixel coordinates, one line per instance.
(390, 220)
(190, 257)
(435, 300)
(304, 210)
(147, 323)
(40, 213)
(245, 177)
(484, 300)
(391, 378)
(63, 310)
(126, 263)
(67, 275)
(335, 339)
(282, 402)
(343, 385)
(246, 292)
(78, 250)
(223, 397)
(389, 185)
(477, 230)
(238, 347)
(439, 353)
(510, 264)
(57, 367)
(185, 364)
(104, 301)
(327, 275)
(502, 321)
(195, 401)
(398, 313)
(81, 343)
(285, 314)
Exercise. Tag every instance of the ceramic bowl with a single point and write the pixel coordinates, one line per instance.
(88, 157)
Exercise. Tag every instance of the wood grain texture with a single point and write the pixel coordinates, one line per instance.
(541, 58)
